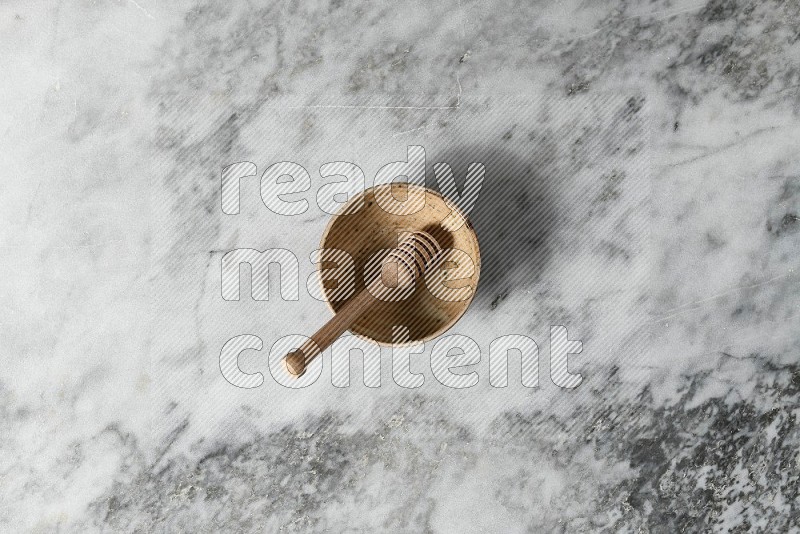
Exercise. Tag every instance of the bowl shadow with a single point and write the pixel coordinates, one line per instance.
(514, 215)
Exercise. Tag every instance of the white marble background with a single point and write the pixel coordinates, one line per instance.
(681, 277)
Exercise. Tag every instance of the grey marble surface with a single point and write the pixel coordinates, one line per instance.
(642, 188)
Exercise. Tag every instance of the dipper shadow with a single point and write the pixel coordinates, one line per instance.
(514, 216)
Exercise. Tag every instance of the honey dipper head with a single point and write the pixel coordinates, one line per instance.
(408, 261)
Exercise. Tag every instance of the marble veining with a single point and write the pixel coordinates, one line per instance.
(643, 188)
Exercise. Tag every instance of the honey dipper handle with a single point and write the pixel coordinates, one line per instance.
(407, 262)
(297, 360)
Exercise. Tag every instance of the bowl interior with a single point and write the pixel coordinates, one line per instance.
(370, 230)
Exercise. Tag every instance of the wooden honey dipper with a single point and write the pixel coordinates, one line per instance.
(405, 264)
